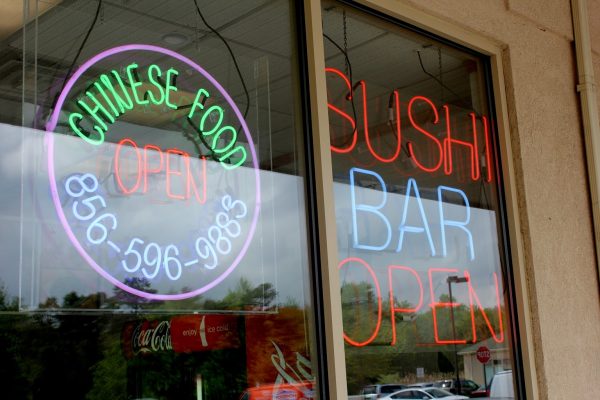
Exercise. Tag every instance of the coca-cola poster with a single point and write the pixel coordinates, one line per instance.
(181, 334)
(277, 356)
(191, 333)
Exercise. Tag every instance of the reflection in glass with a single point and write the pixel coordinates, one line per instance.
(147, 249)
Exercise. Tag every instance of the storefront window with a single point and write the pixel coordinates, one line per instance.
(421, 238)
(153, 208)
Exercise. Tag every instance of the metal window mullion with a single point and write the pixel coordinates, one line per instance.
(330, 285)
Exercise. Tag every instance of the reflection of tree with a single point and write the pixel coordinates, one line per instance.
(7, 303)
(123, 298)
(12, 380)
(72, 347)
(246, 297)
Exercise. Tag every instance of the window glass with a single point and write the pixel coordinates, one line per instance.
(420, 233)
(154, 227)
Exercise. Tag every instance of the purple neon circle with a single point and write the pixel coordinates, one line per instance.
(49, 138)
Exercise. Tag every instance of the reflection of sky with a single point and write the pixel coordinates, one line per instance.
(416, 252)
(51, 266)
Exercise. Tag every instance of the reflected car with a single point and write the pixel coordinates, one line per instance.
(502, 385)
(466, 386)
(480, 393)
(420, 385)
(380, 390)
(424, 394)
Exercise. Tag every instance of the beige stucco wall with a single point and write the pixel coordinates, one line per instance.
(552, 188)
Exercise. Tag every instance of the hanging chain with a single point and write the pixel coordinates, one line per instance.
(441, 75)
(345, 41)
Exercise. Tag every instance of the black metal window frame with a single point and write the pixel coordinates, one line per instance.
(506, 256)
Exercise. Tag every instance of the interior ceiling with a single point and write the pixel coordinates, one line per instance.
(11, 14)
(254, 30)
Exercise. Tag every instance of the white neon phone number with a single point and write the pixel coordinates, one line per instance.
(150, 257)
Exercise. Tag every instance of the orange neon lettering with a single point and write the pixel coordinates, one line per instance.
(118, 166)
(191, 185)
(343, 114)
(424, 132)
(170, 172)
(376, 282)
(449, 141)
(473, 296)
(487, 149)
(366, 126)
(435, 305)
(394, 310)
(147, 169)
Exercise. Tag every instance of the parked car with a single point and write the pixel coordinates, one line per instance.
(501, 387)
(466, 386)
(420, 385)
(378, 391)
(481, 392)
(424, 394)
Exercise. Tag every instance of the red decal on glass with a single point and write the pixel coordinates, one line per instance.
(394, 310)
(376, 282)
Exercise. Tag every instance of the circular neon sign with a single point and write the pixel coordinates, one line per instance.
(122, 237)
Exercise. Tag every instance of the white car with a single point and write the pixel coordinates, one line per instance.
(424, 394)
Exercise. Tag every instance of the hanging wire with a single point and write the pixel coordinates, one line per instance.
(237, 68)
(350, 95)
(345, 28)
(458, 97)
(70, 70)
(354, 86)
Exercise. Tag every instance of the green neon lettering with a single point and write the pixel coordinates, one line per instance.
(223, 159)
(202, 93)
(171, 81)
(121, 103)
(81, 133)
(134, 82)
(106, 99)
(216, 139)
(217, 125)
(100, 107)
(93, 112)
(154, 80)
